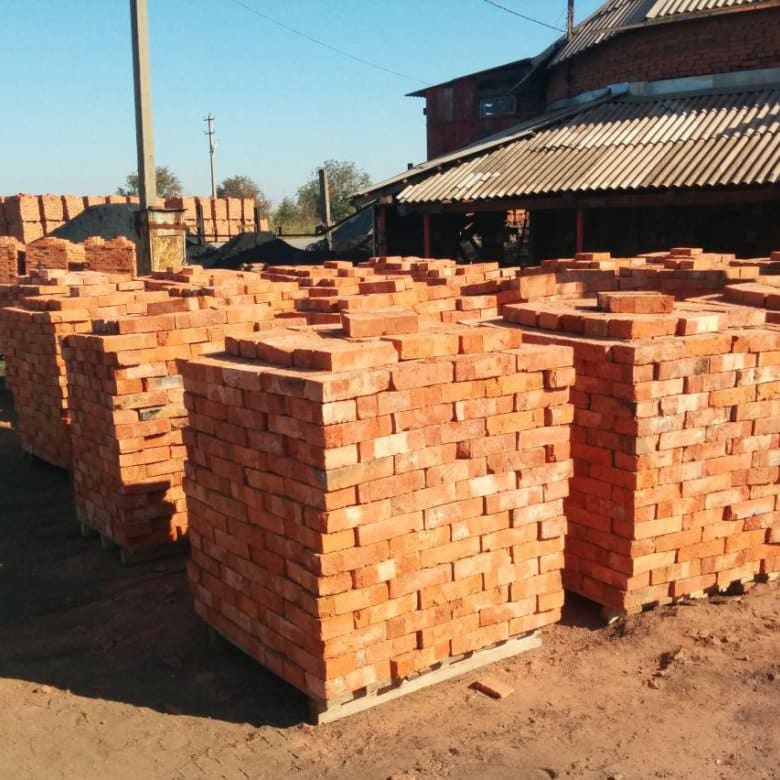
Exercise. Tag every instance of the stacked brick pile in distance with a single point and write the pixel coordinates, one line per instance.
(11, 253)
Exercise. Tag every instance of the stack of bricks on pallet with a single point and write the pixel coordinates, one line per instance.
(32, 335)
(364, 506)
(30, 217)
(233, 287)
(436, 290)
(218, 217)
(676, 444)
(127, 414)
(22, 217)
(36, 283)
(683, 272)
(11, 252)
(115, 256)
(54, 253)
(764, 294)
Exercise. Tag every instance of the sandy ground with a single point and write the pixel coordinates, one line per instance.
(105, 672)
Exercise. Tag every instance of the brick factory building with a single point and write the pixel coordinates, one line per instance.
(655, 124)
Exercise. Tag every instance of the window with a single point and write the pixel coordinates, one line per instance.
(446, 105)
(496, 106)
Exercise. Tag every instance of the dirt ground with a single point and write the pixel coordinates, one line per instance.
(105, 671)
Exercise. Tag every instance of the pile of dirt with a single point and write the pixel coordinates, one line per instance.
(264, 247)
(108, 221)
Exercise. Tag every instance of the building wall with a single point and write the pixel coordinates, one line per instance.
(744, 40)
(452, 110)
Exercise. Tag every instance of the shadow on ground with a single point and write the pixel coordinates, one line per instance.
(73, 617)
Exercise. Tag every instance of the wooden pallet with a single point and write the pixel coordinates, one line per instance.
(609, 614)
(328, 712)
(131, 556)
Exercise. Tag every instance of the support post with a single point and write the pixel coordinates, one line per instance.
(380, 239)
(569, 19)
(426, 235)
(324, 198)
(580, 240)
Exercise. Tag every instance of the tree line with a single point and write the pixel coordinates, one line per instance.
(298, 214)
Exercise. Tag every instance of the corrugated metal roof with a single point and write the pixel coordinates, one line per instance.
(625, 144)
(671, 7)
(617, 15)
(604, 23)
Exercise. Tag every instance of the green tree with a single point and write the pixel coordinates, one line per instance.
(344, 180)
(243, 187)
(168, 184)
(289, 217)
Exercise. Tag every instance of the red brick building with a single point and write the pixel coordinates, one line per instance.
(660, 125)
(471, 107)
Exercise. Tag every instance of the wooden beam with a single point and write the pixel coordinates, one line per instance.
(614, 200)
(323, 712)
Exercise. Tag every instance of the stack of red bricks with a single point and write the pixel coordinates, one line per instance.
(22, 217)
(30, 217)
(233, 287)
(437, 290)
(220, 218)
(54, 253)
(32, 335)
(676, 445)
(11, 259)
(52, 212)
(764, 293)
(686, 272)
(50, 304)
(127, 415)
(115, 256)
(367, 503)
(43, 282)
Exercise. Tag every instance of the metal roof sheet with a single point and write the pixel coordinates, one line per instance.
(617, 15)
(624, 144)
(671, 7)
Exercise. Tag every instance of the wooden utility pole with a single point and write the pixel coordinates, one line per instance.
(569, 20)
(212, 147)
(324, 198)
(147, 182)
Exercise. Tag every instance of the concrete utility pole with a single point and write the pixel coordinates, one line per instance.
(161, 232)
(147, 181)
(570, 20)
(212, 147)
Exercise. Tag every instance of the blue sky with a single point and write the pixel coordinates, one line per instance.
(282, 104)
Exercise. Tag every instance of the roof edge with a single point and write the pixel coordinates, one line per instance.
(687, 85)
(717, 83)
(421, 92)
(648, 22)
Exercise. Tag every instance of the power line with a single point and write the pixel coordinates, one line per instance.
(523, 16)
(325, 45)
